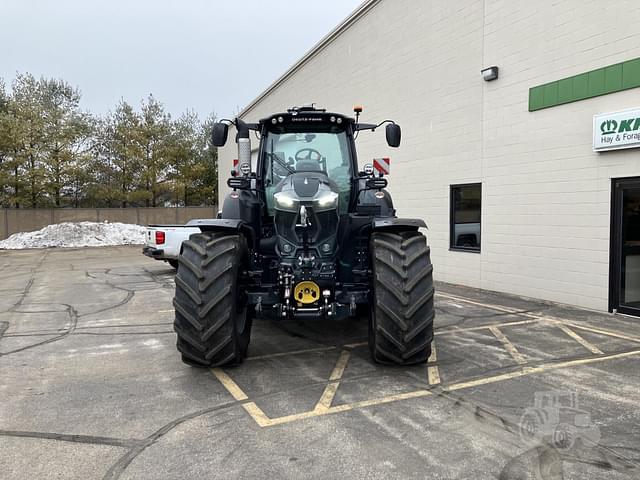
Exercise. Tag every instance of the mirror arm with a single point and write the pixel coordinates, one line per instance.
(250, 126)
(365, 126)
(372, 126)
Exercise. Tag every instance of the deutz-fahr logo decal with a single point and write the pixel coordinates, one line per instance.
(306, 119)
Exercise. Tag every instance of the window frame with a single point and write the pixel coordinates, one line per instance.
(452, 218)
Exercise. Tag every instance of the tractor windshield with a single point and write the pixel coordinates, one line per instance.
(316, 152)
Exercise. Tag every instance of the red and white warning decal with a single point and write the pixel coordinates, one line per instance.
(235, 164)
(382, 165)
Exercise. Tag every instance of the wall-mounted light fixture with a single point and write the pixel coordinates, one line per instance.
(489, 73)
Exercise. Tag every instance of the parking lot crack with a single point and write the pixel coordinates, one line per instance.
(62, 437)
(73, 322)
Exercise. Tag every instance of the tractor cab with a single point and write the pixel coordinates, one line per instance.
(309, 142)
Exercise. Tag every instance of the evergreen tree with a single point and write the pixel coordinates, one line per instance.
(67, 132)
(26, 130)
(120, 158)
(209, 179)
(154, 140)
(54, 154)
(193, 161)
(5, 146)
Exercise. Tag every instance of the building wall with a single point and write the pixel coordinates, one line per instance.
(546, 195)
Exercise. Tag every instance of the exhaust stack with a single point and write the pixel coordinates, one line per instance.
(244, 143)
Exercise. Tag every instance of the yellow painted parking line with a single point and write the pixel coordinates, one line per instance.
(338, 370)
(509, 347)
(433, 373)
(257, 414)
(379, 401)
(600, 331)
(585, 343)
(166, 311)
(451, 330)
(330, 390)
(264, 421)
(355, 345)
(327, 397)
(348, 406)
(324, 405)
(480, 304)
(238, 394)
(524, 371)
(541, 318)
(227, 382)
(292, 352)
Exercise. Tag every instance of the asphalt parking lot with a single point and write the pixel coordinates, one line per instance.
(91, 386)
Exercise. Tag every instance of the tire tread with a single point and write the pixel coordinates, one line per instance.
(206, 301)
(402, 321)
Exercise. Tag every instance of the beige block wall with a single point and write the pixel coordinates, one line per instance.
(545, 212)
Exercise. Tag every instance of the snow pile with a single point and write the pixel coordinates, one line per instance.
(81, 234)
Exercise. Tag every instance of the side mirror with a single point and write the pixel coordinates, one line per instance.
(220, 132)
(393, 134)
(239, 183)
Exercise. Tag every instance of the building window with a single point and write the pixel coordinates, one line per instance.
(465, 217)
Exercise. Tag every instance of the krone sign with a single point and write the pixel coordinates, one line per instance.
(613, 131)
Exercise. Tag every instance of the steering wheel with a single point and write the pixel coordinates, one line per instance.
(311, 154)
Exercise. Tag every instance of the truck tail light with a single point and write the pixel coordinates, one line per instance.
(159, 238)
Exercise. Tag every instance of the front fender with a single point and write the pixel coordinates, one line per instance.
(209, 224)
(394, 224)
(227, 225)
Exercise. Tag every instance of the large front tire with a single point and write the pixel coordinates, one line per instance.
(401, 318)
(211, 319)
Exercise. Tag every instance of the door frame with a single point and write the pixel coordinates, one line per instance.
(615, 246)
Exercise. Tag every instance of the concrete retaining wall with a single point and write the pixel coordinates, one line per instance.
(27, 220)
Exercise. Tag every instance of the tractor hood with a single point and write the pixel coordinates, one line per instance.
(306, 216)
(308, 189)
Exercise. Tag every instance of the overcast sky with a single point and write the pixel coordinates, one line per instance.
(191, 54)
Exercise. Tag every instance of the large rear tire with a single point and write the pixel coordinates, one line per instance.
(211, 320)
(401, 318)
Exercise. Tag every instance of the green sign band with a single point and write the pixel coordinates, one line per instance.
(614, 78)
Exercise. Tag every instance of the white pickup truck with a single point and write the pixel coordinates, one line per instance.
(163, 242)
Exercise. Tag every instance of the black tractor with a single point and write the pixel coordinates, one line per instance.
(304, 234)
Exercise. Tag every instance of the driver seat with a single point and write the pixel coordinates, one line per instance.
(308, 166)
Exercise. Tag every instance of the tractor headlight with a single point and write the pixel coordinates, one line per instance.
(326, 201)
(285, 202)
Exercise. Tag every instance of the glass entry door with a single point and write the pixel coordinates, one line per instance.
(625, 246)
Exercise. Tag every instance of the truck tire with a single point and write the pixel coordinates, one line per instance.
(211, 321)
(402, 311)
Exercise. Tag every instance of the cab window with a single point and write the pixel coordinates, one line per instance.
(318, 152)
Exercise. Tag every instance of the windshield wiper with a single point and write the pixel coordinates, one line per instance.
(277, 159)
